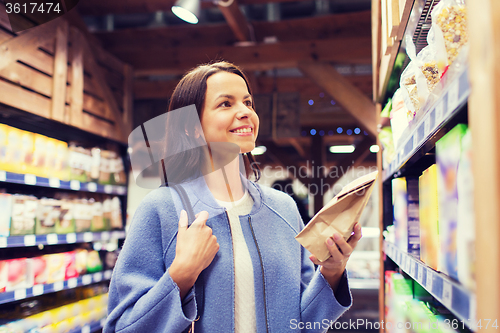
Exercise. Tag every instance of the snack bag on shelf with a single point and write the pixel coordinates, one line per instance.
(82, 215)
(106, 212)
(413, 83)
(96, 164)
(39, 269)
(428, 206)
(40, 155)
(105, 168)
(118, 176)
(94, 263)
(448, 150)
(79, 163)
(116, 221)
(81, 261)
(47, 215)
(466, 235)
(70, 265)
(98, 222)
(23, 218)
(4, 142)
(66, 222)
(6, 209)
(399, 117)
(449, 20)
(427, 62)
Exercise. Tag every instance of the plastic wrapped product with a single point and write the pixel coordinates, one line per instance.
(428, 66)
(450, 16)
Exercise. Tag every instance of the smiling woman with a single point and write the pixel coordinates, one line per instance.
(237, 267)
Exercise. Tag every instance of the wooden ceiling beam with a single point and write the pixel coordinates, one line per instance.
(343, 92)
(98, 7)
(236, 20)
(157, 59)
(310, 28)
(145, 89)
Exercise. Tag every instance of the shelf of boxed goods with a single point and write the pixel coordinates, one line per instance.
(447, 106)
(460, 301)
(40, 289)
(75, 185)
(54, 239)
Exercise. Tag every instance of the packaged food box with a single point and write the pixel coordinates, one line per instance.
(105, 169)
(56, 267)
(82, 215)
(96, 164)
(49, 211)
(4, 142)
(413, 216)
(17, 278)
(40, 151)
(51, 157)
(66, 222)
(70, 265)
(400, 206)
(98, 222)
(448, 150)
(107, 212)
(24, 209)
(429, 217)
(94, 263)
(13, 153)
(39, 269)
(81, 261)
(27, 149)
(5, 216)
(62, 168)
(116, 221)
(118, 175)
(80, 162)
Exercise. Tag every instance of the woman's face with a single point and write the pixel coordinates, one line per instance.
(228, 115)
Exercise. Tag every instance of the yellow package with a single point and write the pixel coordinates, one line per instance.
(4, 132)
(61, 161)
(40, 155)
(27, 147)
(14, 149)
(50, 164)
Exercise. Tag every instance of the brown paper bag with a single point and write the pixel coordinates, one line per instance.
(339, 215)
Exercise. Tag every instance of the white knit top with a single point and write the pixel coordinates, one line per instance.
(244, 292)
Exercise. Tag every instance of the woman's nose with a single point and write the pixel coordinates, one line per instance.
(243, 112)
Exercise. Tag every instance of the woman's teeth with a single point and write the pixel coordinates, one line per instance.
(243, 130)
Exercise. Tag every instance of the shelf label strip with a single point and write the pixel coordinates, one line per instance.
(447, 294)
(3, 176)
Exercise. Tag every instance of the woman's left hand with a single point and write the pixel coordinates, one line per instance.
(340, 250)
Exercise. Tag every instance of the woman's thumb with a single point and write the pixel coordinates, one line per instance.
(183, 220)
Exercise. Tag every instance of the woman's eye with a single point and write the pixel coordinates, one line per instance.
(225, 104)
(248, 103)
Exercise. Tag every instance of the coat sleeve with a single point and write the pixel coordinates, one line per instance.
(318, 302)
(142, 295)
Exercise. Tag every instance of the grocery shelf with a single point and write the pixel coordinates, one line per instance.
(355, 283)
(90, 327)
(460, 301)
(40, 289)
(445, 108)
(53, 239)
(75, 185)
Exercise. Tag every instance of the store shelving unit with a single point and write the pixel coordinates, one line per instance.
(471, 96)
(58, 83)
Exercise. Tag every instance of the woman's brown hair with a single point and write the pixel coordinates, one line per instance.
(191, 90)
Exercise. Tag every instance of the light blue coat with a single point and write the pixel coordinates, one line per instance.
(288, 292)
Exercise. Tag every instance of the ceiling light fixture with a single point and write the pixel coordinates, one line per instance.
(342, 149)
(187, 10)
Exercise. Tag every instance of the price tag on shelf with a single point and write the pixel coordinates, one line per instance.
(98, 277)
(72, 283)
(92, 187)
(71, 238)
(88, 237)
(105, 235)
(408, 264)
(439, 112)
(427, 126)
(428, 281)
(52, 239)
(86, 279)
(20, 294)
(453, 96)
(108, 189)
(447, 294)
(472, 308)
(59, 285)
(29, 240)
(420, 274)
(54, 182)
(75, 185)
(3, 241)
(415, 140)
(412, 270)
(38, 290)
(121, 190)
(30, 179)
(86, 329)
(3, 176)
(107, 275)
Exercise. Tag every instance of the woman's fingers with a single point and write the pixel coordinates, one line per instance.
(354, 239)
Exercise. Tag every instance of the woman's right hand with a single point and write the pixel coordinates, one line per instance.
(196, 248)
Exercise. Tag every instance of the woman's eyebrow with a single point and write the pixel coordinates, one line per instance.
(231, 96)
